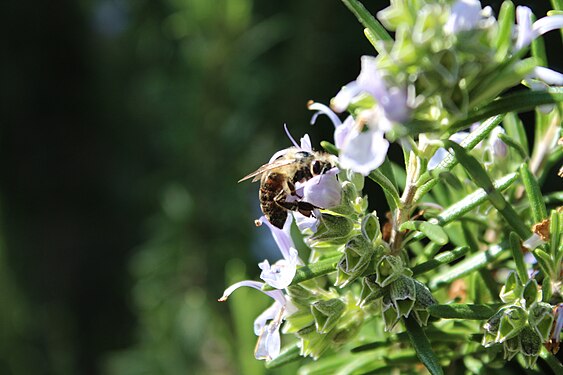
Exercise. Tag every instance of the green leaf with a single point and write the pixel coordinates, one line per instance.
(463, 311)
(503, 42)
(387, 186)
(433, 231)
(422, 346)
(471, 201)
(374, 28)
(481, 178)
(515, 246)
(329, 147)
(544, 260)
(465, 267)
(515, 130)
(287, 355)
(442, 258)
(521, 101)
(537, 206)
(513, 144)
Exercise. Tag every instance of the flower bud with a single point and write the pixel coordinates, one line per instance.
(530, 345)
(512, 289)
(370, 227)
(390, 314)
(371, 291)
(530, 293)
(424, 298)
(511, 323)
(349, 194)
(540, 317)
(358, 254)
(327, 313)
(313, 344)
(511, 347)
(491, 329)
(333, 229)
(403, 295)
(388, 269)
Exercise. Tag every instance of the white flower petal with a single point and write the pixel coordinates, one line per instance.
(546, 75)
(364, 151)
(275, 294)
(546, 24)
(282, 237)
(280, 274)
(304, 223)
(323, 191)
(323, 109)
(465, 15)
(343, 98)
(370, 80)
(524, 33)
(268, 314)
(269, 343)
(441, 152)
(341, 132)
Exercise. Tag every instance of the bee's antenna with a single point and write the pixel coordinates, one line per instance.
(290, 137)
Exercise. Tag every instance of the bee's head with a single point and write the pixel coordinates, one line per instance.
(321, 166)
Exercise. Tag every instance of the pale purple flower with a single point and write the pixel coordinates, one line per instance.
(307, 222)
(269, 342)
(280, 274)
(496, 146)
(527, 31)
(322, 109)
(282, 237)
(363, 151)
(464, 16)
(323, 191)
(341, 132)
(556, 333)
(344, 97)
(393, 101)
(541, 79)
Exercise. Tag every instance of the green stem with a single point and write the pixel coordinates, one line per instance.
(472, 201)
(375, 29)
(470, 264)
(442, 258)
(463, 311)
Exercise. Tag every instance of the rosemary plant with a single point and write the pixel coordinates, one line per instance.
(464, 271)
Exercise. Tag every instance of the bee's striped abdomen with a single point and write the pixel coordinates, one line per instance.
(272, 184)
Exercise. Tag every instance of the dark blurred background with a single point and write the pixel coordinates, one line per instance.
(125, 126)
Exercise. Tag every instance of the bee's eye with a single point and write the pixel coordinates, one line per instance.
(302, 154)
(317, 167)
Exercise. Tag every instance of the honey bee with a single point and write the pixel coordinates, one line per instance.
(278, 178)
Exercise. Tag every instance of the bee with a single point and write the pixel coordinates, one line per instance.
(278, 178)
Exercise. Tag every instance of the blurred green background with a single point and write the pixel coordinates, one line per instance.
(126, 124)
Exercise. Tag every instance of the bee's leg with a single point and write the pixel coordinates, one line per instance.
(291, 188)
(304, 208)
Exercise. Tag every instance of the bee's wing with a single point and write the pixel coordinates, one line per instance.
(267, 167)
